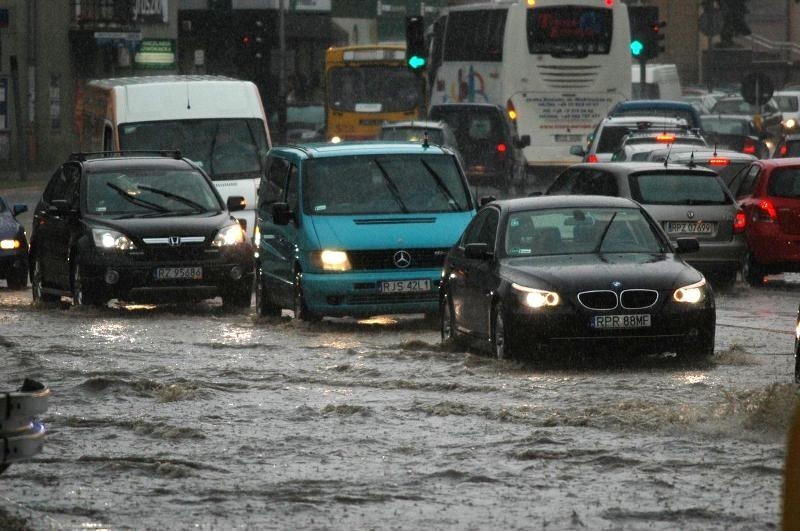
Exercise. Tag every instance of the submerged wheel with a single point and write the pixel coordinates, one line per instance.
(18, 278)
(239, 296)
(82, 295)
(447, 325)
(301, 310)
(37, 285)
(501, 346)
(264, 306)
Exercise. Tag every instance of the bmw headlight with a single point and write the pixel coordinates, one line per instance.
(537, 298)
(330, 260)
(112, 240)
(230, 235)
(691, 294)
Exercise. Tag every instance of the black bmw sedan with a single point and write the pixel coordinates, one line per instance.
(140, 229)
(535, 274)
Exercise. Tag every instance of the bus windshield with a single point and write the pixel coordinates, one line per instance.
(226, 149)
(374, 89)
(384, 184)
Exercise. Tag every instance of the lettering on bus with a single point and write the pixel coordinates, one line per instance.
(565, 112)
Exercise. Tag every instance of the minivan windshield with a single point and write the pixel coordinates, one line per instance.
(384, 184)
(226, 149)
(149, 192)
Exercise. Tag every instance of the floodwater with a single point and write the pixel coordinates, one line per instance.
(194, 418)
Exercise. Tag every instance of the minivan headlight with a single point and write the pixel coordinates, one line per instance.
(230, 235)
(111, 240)
(691, 294)
(330, 260)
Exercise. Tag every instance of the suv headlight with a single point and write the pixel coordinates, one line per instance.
(537, 298)
(691, 294)
(111, 240)
(230, 235)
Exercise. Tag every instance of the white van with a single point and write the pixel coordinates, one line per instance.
(661, 82)
(218, 122)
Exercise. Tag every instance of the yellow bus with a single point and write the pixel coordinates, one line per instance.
(366, 86)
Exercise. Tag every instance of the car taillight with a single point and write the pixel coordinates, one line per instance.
(501, 148)
(591, 158)
(766, 212)
(749, 147)
(511, 110)
(718, 161)
(783, 150)
(666, 138)
(739, 222)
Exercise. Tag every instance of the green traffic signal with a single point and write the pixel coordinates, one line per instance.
(416, 62)
(637, 48)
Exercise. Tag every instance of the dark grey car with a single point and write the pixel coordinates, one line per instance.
(685, 201)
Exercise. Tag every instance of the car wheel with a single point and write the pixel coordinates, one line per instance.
(501, 346)
(37, 283)
(723, 281)
(238, 296)
(18, 278)
(301, 310)
(699, 350)
(264, 305)
(447, 320)
(81, 294)
(753, 272)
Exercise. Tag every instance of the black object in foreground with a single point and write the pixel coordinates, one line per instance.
(21, 436)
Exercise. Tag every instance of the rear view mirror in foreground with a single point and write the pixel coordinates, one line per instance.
(281, 213)
(577, 151)
(236, 203)
(523, 141)
(485, 200)
(687, 245)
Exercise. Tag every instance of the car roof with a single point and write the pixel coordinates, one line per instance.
(654, 104)
(486, 105)
(627, 168)
(415, 124)
(367, 147)
(560, 201)
(707, 153)
(654, 120)
(100, 163)
(779, 162)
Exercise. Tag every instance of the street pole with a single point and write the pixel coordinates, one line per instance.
(282, 73)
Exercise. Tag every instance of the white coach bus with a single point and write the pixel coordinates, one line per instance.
(557, 66)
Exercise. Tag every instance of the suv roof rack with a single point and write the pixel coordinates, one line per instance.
(84, 155)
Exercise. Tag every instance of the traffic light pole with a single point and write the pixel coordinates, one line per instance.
(642, 77)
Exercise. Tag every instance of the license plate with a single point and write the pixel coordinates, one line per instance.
(691, 227)
(621, 321)
(179, 273)
(404, 286)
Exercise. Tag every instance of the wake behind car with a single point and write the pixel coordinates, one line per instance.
(13, 246)
(137, 227)
(536, 273)
(357, 229)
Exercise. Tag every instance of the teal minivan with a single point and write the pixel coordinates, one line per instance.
(357, 229)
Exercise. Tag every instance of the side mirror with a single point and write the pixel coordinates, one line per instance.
(18, 209)
(485, 200)
(236, 203)
(522, 141)
(477, 251)
(687, 245)
(577, 151)
(281, 213)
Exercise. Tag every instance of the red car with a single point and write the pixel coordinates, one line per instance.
(769, 193)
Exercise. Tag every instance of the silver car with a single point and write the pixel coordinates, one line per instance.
(609, 133)
(691, 202)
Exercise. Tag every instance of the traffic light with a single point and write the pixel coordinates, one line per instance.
(416, 58)
(646, 35)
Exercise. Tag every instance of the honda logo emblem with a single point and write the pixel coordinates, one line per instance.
(402, 259)
(174, 241)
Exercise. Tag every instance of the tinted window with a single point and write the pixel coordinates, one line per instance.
(678, 189)
(725, 126)
(374, 89)
(413, 134)
(569, 30)
(748, 184)
(792, 149)
(786, 103)
(610, 138)
(383, 184)
(585, 182)
(274, 182)
(475, 35)
(784, 182)
(483, 229)
(63, 185)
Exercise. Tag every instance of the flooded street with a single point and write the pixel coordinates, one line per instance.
(191, 417)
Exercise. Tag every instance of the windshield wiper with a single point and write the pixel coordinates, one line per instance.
(605, 231)
(392, 187)
(135, 200)
(185, 200)
(443, 187)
